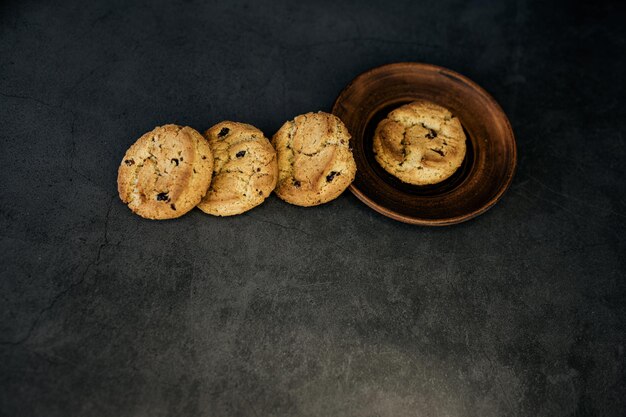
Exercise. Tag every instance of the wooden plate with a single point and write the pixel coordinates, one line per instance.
(489, 163)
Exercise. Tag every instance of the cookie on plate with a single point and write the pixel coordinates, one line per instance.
(166, 172)
(315, 163)
(245, 170)
(420, 143)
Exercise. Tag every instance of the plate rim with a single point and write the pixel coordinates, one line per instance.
(448, 220)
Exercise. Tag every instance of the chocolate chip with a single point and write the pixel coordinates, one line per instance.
(332, 175)
(173, 207)
(258, 170)
(129, 162)
(431, 134)
(203, 156)
(162, 197)
(240, 154)
(223, 132)
(175, 161)
(260, 192)
(194, 171)
(440, 152)
(296, 183)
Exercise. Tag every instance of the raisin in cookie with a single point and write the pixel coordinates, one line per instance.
(166, 172)
(315, 163)
(245, 170)
(420, 143)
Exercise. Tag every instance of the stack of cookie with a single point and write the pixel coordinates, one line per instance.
(234, 167)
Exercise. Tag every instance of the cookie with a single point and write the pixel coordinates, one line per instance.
(245, 170)
(420, 143)
(315, 163)
(166, 172)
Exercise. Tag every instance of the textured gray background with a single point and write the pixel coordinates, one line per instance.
(328, 311)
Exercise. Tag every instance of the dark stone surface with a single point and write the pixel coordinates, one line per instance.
(328, 311)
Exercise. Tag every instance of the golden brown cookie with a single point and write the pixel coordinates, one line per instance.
(166, 172)
(420, 143)
(315, 163)
(245, 170)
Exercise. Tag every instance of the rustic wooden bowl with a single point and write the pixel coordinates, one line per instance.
(476, 186)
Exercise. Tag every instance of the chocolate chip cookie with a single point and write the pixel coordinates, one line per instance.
(166, 172)
(420, 143)
(245, 170)
(315, 163)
